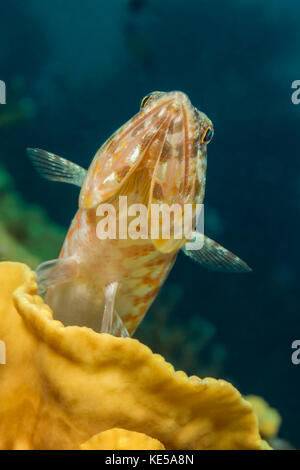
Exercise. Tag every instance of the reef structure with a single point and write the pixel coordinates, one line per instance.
(73, 388)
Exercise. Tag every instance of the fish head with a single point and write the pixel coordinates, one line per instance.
(167, 138)
(179, 169)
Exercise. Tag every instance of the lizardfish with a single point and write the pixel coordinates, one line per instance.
(157, 157)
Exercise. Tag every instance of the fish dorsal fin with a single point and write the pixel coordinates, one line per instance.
(214, 256)
(55, 168)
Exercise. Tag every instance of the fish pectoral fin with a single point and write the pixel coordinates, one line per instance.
(111, 322)
(55, 272)
(55, 168)
(215, 257)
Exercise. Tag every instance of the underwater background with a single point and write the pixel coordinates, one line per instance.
(75, 71)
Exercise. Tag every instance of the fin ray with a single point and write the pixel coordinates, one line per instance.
(55, 168)
(215, 257)
(111, 322)
(54, 272)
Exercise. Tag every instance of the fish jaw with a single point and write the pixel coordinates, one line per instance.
(126, 150)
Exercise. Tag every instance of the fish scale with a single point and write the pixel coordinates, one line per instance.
(157, 157)
(136, 264)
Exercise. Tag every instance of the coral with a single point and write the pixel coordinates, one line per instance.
(121, 439)
(193, 348)
(269, 419)
(26, 234)
(63, 385)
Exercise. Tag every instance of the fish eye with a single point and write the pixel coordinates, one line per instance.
(207, 136)
(145, 100)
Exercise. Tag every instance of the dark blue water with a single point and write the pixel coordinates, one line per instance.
(85, 66)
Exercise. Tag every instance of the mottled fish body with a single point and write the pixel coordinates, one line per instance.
(158, 157)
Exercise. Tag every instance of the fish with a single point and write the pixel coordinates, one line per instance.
(157, 158)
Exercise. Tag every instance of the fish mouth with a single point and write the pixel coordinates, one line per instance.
(172, 157)
(175, 146)
(178, 102)
(175, 105)
(164, 138)
(176, 97)
(182, 157)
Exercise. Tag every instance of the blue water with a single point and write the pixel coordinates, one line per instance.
(85, 66)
